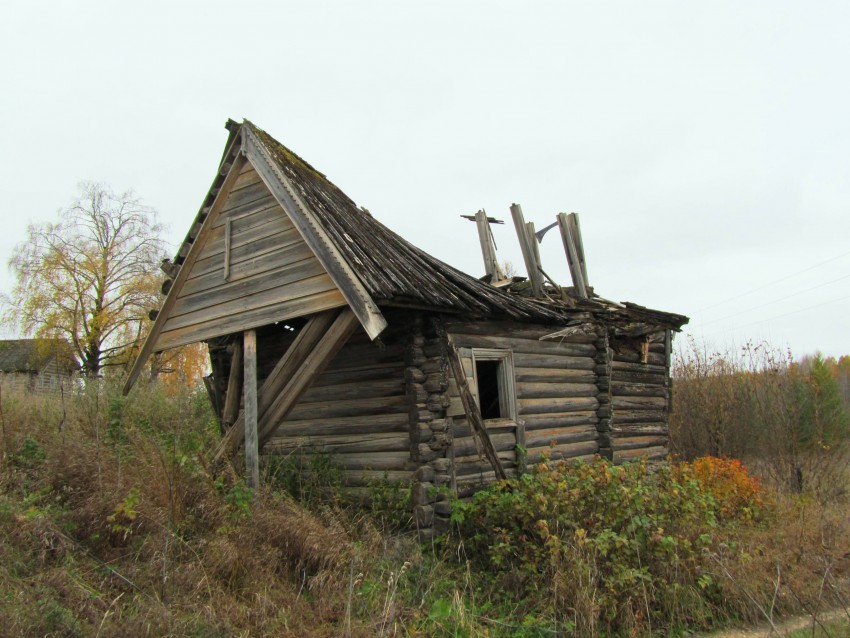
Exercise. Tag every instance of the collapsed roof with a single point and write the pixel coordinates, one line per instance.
(371, 265)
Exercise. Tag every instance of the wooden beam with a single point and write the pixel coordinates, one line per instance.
(314, 364)
(252, 451)
(525, 244)
(473, 412)
(230, 412)
(197, 245)
(575, 227)
(339, 270)
(488, 247)
(572, 255)
(228, 232)
(274, 384)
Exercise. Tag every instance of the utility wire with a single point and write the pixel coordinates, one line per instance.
(786, 314)
(769, 303)
(773, 283)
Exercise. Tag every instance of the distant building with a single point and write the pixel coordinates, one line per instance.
(36, 365)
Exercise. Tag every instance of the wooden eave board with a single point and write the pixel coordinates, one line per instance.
(274, 275)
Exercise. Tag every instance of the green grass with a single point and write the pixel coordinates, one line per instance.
(834, 628)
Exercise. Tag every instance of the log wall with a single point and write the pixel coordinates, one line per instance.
(557, 400)
(640, 393)
(356, 411)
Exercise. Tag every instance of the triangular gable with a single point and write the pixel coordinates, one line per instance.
(282, 264)
(272, 275)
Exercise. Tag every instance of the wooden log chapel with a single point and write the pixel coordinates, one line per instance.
(329, 333)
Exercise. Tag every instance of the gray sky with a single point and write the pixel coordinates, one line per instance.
(705, 145)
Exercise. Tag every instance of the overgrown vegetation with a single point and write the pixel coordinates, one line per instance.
(111, 524)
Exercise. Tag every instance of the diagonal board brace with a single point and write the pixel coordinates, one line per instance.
(292, 360)
(302, 218)
(473, 413)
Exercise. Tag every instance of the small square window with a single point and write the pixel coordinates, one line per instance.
(494, 380)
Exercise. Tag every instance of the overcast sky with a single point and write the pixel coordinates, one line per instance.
(705, 145)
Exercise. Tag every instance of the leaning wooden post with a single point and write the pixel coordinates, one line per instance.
(252, 451)
(531, 265)
(488, 247)
(575, 227)
(572, 255)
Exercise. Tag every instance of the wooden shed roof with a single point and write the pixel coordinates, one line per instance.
(371, 265)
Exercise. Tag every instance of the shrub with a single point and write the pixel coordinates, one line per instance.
(618, 548)
(737, 494)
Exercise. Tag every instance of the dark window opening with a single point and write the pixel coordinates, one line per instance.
(488, 389)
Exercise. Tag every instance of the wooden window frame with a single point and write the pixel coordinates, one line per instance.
(506, 380)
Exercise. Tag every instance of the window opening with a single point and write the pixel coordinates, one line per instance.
(489, 400)
(494, 381)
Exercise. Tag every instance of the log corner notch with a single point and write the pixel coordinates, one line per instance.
(473, 412)
(313, 349)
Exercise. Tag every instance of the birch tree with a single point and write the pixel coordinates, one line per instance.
(90, 277)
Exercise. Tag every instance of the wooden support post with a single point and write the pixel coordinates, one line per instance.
(473, 412)
(572, 255)
(230, 412)
(526, 245)
(572, 218)
(274, 384)
(488, 247)
(252, 451)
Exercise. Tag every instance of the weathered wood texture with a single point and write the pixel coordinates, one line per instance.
(273, 275)
(356, 412)
(639, 397)
(557, 396)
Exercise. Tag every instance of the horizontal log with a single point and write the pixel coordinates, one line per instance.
(644, 368)
(559, 405)
(501, 443)
(508, 341)
(559, 420)
(624, 388)
(628, 356)
(377, 461)
(527, 390)
(563, 451)
(634, 429)
(368, 478)
(475, 469)
(639, 416)
(638, 403)
(517, 330)
(370, 423)
(365, 389)
(344, 443)
(559, 436)
(635, 442)
(553, 375)
(372, 372)
(652, 453)
(350, 407)
(553, 361)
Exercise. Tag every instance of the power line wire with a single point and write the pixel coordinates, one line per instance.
(768, 303)
(773, 283)
(786, 314)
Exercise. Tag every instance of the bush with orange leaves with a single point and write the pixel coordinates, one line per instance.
(738, 494)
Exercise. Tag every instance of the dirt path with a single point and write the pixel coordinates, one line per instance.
(785, 628)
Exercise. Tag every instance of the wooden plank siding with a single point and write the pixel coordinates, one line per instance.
(639, 397)
(273, 274)
(555, 397)
(356, 412)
